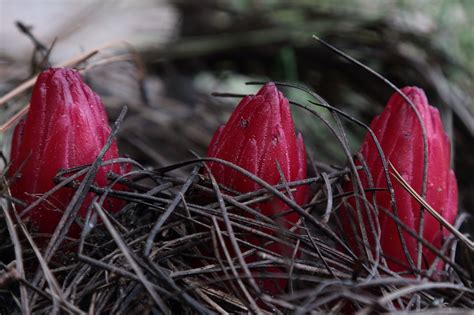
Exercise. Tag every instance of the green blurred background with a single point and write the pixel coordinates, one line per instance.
(182, 51)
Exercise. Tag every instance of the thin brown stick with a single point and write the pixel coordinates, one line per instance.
(461, 237)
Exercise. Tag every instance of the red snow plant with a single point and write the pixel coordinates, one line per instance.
(260, 137)
(399, 132)
(66, 126)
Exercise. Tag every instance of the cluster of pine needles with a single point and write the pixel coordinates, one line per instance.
(149, 258)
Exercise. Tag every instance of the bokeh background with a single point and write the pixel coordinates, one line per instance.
(163, 59)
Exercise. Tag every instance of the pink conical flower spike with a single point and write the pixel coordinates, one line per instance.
(400, 135)
(259, 135)
(66, 126)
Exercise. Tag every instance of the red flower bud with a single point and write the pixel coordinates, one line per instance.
(259, 135)
(399, 132)
(66, 126)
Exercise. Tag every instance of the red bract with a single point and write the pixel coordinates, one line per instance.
(66, 126)
(399, 132)
(260, 135)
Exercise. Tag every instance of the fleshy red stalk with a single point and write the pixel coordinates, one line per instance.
(399, 133)
(66, 126)
(259, 135)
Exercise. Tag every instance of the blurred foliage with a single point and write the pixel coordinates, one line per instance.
(224, 43)
(425, 43)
